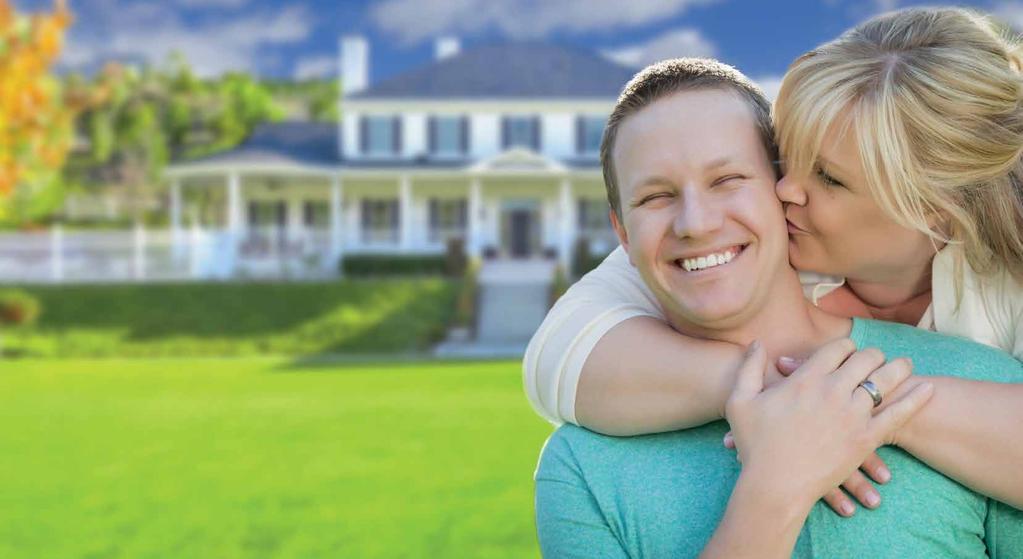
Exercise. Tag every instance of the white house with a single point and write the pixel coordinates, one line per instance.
(497, 145)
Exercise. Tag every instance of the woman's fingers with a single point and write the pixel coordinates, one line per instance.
(788, 365)
(840, 502)
(827, 359)
(750, 379)
(729, 440)
(860, 487)
(899, 412)
(886, 379)
(857, 368)
(876, 468)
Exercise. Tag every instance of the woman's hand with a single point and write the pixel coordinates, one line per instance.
(804, 436)
(858, 484)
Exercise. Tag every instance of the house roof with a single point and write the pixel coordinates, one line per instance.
(282, 143)
(511, 70)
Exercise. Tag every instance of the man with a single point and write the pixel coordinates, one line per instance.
(688, 166)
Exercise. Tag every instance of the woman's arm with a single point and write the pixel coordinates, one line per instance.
(970, 431)
(644, 377)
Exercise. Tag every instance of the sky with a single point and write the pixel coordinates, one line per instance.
(298, 39)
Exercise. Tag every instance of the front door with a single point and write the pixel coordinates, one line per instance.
(520, 228)
(521, 223)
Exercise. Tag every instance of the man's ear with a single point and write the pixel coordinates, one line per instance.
(623, 237)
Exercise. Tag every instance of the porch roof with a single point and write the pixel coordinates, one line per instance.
(310, 145)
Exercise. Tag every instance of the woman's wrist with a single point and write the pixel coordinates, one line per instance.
(759, 522)
(774, 493)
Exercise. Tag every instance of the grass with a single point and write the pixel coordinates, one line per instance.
(354, 316)
(264, 457)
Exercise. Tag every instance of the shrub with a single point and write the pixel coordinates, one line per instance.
(455, 260)
(18, 308)
(465, 306)
(370, 265)
(583, 260)
(559, 286)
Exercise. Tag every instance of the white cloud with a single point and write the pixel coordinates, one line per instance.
(151, 32)
(316, 67)
(770, 85)
(409, 23)
(672, 44)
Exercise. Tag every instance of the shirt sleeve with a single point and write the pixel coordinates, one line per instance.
(554, 359)
(569, 522)
(1003, 531)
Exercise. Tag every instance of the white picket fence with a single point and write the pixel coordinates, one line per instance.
(60, 256)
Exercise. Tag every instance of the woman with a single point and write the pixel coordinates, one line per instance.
(901, 141)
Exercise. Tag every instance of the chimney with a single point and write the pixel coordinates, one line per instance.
(445, 47)
(354, 64)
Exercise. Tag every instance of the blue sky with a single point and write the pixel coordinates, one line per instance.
(299, 38)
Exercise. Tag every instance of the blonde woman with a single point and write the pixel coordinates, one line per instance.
(901, 142)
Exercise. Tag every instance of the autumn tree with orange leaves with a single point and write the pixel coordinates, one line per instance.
(35, 119)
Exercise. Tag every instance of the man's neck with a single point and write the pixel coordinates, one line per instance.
(786, 323)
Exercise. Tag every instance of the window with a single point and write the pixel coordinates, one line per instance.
(379, 221)
(266, 214)
(589, 131)
(380, 135)
(593, 216)
(316, 214)
(449, 135)
(448, 218)
(521, 131)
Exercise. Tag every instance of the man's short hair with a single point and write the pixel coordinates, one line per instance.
(673, 76)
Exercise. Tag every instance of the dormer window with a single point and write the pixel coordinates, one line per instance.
(521, 131)
(448, 135)
(380, 135)
(589, 130)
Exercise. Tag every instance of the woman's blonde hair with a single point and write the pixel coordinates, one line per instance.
(933, 96)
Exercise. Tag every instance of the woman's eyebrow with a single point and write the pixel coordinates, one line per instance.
(829, 167)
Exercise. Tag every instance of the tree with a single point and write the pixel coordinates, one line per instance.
(35, 121)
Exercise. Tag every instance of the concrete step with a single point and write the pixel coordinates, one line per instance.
(510, 313)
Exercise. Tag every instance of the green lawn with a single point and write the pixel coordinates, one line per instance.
(148, 320)
(265, 457)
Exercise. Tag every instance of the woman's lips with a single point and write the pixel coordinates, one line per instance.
(795, 229)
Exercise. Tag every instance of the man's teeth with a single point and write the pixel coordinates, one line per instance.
(704, 262)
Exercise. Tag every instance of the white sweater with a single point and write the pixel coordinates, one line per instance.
(991, 312)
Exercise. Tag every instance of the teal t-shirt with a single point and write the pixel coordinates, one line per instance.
(663, 495)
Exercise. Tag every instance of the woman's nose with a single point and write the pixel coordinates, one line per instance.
(791, 191)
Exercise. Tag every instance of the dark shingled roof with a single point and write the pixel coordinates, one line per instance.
(512, 70)
(274, 143)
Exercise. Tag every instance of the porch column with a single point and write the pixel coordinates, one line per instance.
(139, 253)
(57, 253)
(474, 243)
(227, 261)
(405, 197)
(234, 203)
(175, 215)
(336, 192)
(568, 226)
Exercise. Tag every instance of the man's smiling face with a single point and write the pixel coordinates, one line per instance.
(700, 219)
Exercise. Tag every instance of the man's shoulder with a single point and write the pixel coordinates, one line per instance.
(581, 452)
(934, 353)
